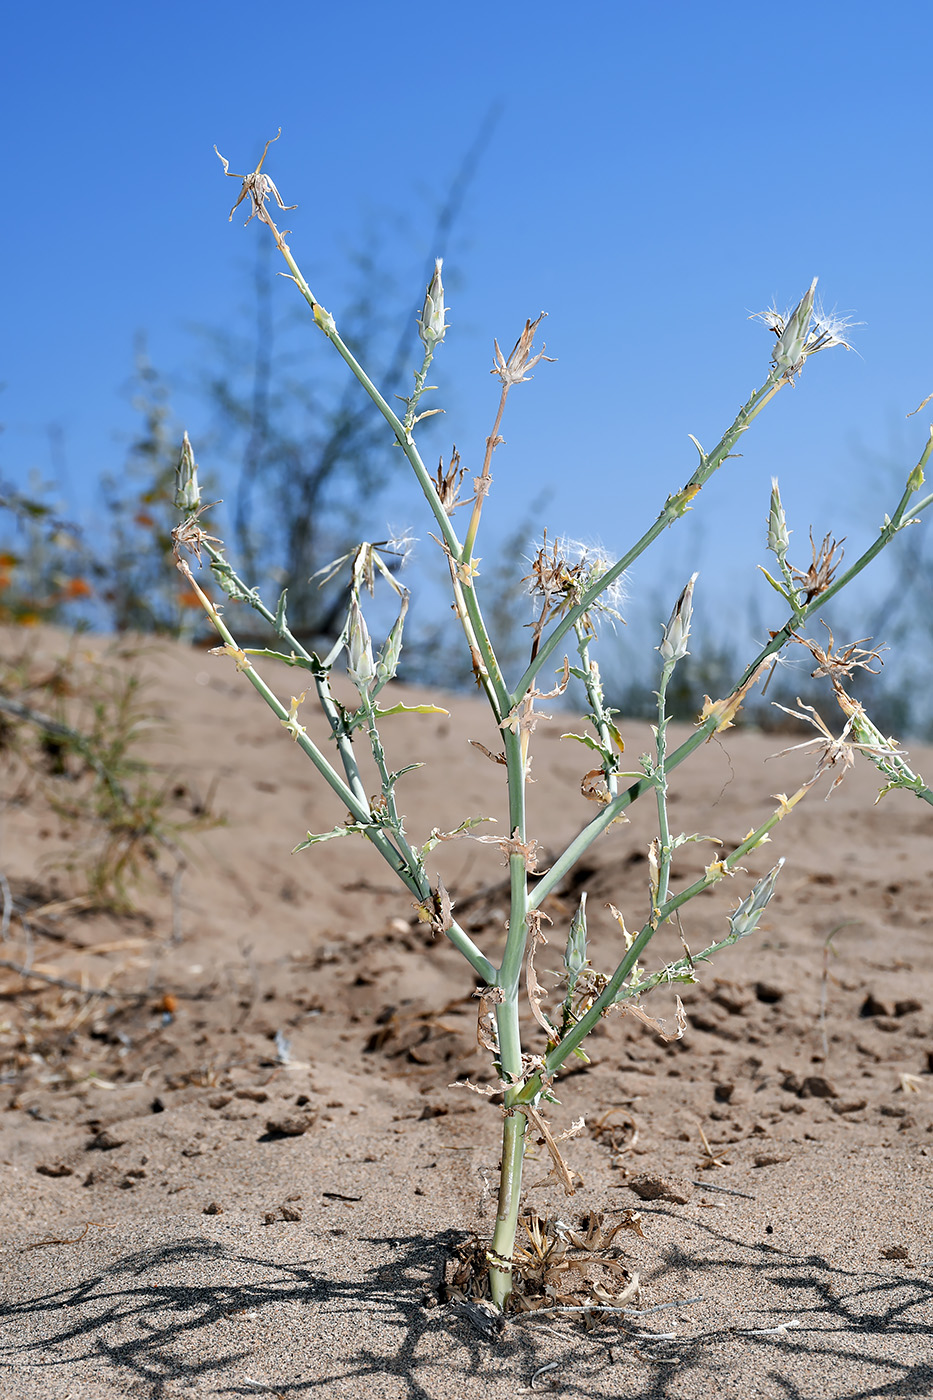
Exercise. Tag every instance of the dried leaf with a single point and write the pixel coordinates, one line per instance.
(496, 757)
(535, 990)
(631, 1008)
(487, 1037)
(559, 1168)
(726, 710)
(443, 910)
(593, 784)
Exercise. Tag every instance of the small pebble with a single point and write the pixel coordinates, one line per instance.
(661, 1188)
(291, 1125)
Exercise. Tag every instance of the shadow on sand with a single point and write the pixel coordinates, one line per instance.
(165, 1320)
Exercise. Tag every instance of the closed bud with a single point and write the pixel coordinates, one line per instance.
(778, 533)
(677, 632)
(575, 952)
(187, 491)
(360, 665)
(388, 658)
(431, 324)
(744, 920)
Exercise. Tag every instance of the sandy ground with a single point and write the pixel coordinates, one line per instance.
(163, 1236)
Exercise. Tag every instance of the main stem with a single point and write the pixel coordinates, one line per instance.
(507, 1025)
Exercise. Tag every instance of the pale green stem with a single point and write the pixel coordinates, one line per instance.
(660, 784)
(410, 874)
(615, 987)
(485, 664)
(403, 438)
(420, 377)
(508, 979)
(495, 686)
(510, 1058)
(509, 1203)
(594, 694)
(704, 731)
(674, 507)
(307, 661)
(388, 786)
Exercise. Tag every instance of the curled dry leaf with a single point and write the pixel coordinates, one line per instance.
(511, 846)
(535, 990)
(443, 910)
(486, 1035)
(594, 787)
(496, 757)
(559, 1169)
(631, 1008)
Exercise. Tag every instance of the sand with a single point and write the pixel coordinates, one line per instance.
(163, 1236)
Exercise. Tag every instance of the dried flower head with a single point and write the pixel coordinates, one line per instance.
(821, 572)
(832, 753)
(842, 662)
(565, 569)
(561, 572)
(257, 186)
(189, 535)
(803, 331)
(447, 482)
(514, 370)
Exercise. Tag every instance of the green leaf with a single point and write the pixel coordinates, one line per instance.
(315, 839)
(590, 743)
(411, 710)
(778, 588)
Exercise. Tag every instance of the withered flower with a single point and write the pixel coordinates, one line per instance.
(514, 370)
(257, 186)
(836, 664)
(447, 482)
(561, 572)
(821, 572)
(832, 753)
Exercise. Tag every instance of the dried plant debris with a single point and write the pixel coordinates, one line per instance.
(555, 1265)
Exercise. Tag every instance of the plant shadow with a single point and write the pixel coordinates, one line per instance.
(165, 1320)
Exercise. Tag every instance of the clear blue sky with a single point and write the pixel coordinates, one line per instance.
(658, 172)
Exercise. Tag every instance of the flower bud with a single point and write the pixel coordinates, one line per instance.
(187, 491)
(360, 665)
(778, 533)
(745, 919)
(575, 952)
(792, 348)
(677, 632)
(388, 658)
(431, 324)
